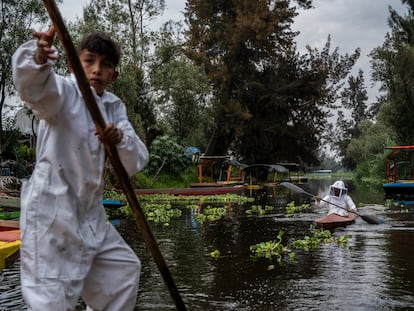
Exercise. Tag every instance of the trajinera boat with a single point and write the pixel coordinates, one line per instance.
(399, 187)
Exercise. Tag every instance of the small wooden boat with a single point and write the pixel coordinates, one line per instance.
(333, 221)
(9, 242)
(399, 187)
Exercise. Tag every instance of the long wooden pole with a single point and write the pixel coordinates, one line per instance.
(122, 174)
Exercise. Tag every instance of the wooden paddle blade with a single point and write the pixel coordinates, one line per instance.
(372, 219)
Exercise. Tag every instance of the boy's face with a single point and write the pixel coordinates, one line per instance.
(99, 70)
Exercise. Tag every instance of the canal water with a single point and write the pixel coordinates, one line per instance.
(373, 271)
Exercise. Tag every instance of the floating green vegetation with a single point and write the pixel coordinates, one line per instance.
(215, 254)
(291, 208)
(114, 195)
(318, 237)
(210, 214)
(192, 206)
(185, 199)
(160, 212)
(188, 199)
(270, 249)
(259, 210)
(155, 212)
(388, 202)
(275, 248)
(157, 207)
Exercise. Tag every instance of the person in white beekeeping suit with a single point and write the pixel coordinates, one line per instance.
(338, 195)
(69, 249)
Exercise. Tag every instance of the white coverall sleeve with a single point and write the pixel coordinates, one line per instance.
(131, 150)
(36, 83)
(350, 203)
(323, 202)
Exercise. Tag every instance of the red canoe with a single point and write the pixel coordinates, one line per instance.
(333, 221)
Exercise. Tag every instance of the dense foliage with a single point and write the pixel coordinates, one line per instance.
(182, 91)
(166, 154)
(270, 103)
(392, 67)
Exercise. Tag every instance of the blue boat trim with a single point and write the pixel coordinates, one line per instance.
(113, 203)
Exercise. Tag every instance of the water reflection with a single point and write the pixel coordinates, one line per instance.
(375, 271)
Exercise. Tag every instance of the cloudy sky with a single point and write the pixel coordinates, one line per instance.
(351, 24)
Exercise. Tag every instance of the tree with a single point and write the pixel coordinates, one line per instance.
(353, 98)
(17, 21)
(182, 89)
(392, 67)
(270, 103)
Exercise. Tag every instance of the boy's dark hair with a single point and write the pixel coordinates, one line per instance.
(102, 44)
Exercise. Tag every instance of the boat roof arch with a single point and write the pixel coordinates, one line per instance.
(397, 150)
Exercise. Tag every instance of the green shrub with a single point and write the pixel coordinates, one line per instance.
(167, 156)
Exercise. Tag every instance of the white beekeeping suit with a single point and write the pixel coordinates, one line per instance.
(338, 195)
(68, 247)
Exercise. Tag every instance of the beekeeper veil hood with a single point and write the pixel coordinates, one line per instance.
(338, 189)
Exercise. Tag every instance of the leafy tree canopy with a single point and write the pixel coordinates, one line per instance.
(392, 67)
(271, 103)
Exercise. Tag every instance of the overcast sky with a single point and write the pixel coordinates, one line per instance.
(351, 24)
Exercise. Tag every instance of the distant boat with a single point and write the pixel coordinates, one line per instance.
(261, 175)
(323, 172)
(295, 174)
(218, 171)
(399, 187)
(270, 175)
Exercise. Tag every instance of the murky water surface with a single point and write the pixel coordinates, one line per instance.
(374, 272)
